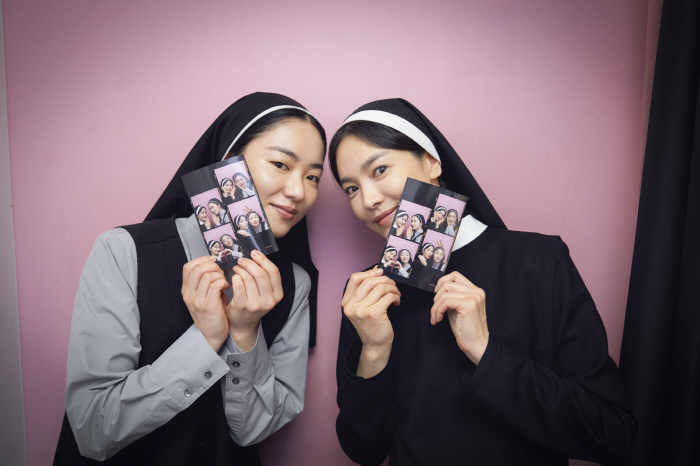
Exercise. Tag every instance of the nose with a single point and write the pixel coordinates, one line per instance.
(371, 197)
(294, 189)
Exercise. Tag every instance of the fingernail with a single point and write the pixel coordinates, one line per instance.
(256, 254)
(377, 271)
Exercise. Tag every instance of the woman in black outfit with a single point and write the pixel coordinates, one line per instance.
(531, 385)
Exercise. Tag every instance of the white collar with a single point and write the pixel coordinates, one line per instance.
(469, 230)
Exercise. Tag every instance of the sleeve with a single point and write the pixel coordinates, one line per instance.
(574, 406)
(264, 389)
(110, 402)
(368, 414)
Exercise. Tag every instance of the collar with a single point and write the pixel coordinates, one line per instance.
(469, 230)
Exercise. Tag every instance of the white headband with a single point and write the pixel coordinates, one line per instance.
(262, 114)
(399, 124)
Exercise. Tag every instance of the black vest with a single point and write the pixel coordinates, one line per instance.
(198, 435)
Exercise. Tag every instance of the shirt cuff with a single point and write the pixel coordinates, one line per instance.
(471, 379)
(189, 367)
(246, 368)
(352, 360)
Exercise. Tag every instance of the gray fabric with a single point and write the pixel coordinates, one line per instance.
(110, 403)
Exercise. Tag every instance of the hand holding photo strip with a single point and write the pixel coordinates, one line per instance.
(230, 216)
(420, 241)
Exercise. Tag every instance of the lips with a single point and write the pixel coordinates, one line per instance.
(385, 217)
(285, 212)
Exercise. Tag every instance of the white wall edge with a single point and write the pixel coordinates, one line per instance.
(13, 446)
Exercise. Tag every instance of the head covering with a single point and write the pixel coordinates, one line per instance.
(407, 119)
(211, 148)
(426, 246)
(198, 209)
(212, 243)
(217, 202)
(236, 220)
(225, 180)
(421, 218)
(389, 249)
(441, 208)
(401, 213)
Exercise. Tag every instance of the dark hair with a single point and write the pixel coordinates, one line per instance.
(374, 134)
(410, 261)
(270, 121)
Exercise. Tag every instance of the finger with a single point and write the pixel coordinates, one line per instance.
(239, 297)
(368, 285)
(387, 300)
(190, 266)
(263, 284)
(272, 272)
(455, 277)
(251, 289)
(356, 280)
(205, 282)
(214, 292)
(378, 292)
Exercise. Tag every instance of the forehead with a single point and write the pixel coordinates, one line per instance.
(300, 137)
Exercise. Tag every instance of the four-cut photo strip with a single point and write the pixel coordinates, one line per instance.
(228, 210)
(420, 241)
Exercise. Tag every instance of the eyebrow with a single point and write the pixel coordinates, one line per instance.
(294, 156)
(365, 165)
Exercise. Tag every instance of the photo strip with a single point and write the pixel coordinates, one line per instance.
(228, 210)
(420, 241)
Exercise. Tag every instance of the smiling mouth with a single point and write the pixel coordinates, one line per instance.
(285, 212)
(385, 217)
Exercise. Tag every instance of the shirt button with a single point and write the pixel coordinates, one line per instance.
(236, 364)
(235, 380)
(188, 392)
(207, 375)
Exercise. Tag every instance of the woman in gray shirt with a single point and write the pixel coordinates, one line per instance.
(231, 360)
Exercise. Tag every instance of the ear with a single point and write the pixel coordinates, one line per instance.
(432, 167)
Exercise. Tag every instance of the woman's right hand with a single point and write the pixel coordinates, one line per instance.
(243, 233)
(422, 260)
(203, 283)
(365, 302)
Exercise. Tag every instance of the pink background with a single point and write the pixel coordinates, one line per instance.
(412, 209)
(239, 208)
(450, 203)
(203, 198)
(229, 170)
(433, 237)
(546, 101)
(218, 232)
(399, 244)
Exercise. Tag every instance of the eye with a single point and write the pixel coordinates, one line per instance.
(313, 178)
(379, 170)
(280, 165)
(350, 190)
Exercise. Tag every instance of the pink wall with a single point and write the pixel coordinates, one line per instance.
(544, 100)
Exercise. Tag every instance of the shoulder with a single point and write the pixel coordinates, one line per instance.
(302, 281)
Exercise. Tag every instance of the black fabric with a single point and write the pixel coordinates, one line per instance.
(211, 148)
(545, 389)
(660, 358)
(455, 173)
(198, 435)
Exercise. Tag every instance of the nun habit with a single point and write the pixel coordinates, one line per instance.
(545, 389)
(144, 387)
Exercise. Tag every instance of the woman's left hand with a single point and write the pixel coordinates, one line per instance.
(257, 288)
(465, 305)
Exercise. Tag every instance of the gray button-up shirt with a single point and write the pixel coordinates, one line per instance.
(110, 403)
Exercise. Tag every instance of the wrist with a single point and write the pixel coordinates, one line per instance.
(373, 359)
(245, 337)
(475, 351)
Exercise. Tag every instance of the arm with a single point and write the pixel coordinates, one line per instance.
(368, 412)
(111, 402)
(271, 383)
(573, 405)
